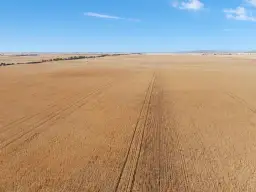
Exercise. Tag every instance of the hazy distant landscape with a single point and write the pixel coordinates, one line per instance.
(7, 59)
(30, 57)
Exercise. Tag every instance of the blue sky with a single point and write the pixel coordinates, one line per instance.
(127, 26)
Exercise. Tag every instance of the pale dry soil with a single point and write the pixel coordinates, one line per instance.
(130, 123)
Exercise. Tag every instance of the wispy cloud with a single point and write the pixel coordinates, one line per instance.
(104, 16)
(239, 13)
(194, 5)
(251, 2)
(91, 14)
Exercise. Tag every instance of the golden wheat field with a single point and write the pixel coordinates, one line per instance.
(131, 123)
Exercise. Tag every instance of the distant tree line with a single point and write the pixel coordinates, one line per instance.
(25, 55)
(64, 59)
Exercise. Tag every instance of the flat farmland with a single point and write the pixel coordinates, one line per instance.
(129, 123)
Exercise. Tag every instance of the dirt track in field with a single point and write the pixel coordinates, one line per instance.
(132, 123)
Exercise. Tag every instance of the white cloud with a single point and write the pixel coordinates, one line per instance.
(104, 16)
(194, 5)
(240, 13)
(252, 2)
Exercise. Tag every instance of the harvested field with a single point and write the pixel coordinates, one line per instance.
(129, 123)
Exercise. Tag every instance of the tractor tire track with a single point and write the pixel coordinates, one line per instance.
(77, 96)
(126, 177)
(148, 177)
(54, 116)
(242, 101)
(6, 127)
